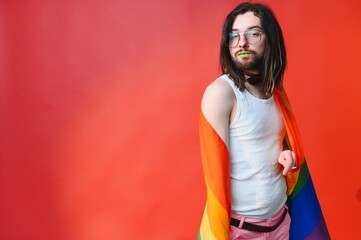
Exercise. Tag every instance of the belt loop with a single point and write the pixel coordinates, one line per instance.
(238, 221)
(241, 222)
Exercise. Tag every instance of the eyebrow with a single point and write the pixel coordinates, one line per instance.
(251, 27)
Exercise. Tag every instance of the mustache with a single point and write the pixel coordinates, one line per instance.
(244, 51)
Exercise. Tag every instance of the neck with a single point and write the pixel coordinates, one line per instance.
(255, 90)
(250, 73)
(252, 84)
(252, 77)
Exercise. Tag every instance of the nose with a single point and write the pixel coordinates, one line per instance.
(242, 41)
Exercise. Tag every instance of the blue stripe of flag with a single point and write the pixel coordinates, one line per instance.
(305, 212)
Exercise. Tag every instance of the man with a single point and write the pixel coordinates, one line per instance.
(243, 128)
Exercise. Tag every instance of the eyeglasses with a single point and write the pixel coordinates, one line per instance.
(252, 36)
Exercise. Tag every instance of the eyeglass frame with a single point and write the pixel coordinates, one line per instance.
(245, 36)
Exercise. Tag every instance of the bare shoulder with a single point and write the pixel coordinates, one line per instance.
(218, 100)
(218, 90)
(218, 93)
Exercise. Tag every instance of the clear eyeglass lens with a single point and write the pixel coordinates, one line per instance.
(233, 40)
(252, 37)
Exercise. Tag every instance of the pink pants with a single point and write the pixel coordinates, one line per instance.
(281, 233)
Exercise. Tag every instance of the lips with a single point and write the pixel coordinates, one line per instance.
(243, 53)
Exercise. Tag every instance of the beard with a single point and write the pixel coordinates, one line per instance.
(250, 64)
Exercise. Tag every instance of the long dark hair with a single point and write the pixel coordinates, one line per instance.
(274, 62)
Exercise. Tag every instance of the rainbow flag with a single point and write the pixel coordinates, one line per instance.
(307, 221)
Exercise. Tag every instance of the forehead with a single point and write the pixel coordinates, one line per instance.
(246, 21)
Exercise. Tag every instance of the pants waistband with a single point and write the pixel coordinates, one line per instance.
(257, 228)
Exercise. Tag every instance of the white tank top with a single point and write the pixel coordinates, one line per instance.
(258, 188)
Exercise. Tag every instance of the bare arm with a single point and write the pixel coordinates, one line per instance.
(217, 104)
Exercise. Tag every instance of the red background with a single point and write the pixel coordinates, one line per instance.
(99, 104)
